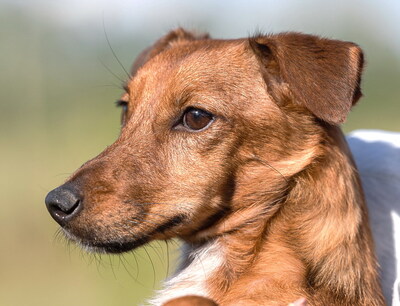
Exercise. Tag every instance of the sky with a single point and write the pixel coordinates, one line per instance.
(227, 18)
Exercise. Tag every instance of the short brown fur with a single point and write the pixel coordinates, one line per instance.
(271, 179)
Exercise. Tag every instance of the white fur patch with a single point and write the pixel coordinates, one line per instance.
(201, 262)
(396, 234)
(377, 154)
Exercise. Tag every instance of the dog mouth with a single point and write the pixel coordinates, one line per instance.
(98, 241)
(102, 247)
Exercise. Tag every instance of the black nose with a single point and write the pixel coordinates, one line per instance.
(63, 203)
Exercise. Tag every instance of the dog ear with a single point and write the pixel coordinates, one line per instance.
(175, 36)
(323, 75)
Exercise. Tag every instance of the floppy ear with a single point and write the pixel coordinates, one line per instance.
(163, 43)
(323, 75)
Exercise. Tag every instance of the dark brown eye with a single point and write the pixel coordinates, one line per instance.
(197, 119)
(124, 106)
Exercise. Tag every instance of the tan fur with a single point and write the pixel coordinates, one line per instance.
(271, 180)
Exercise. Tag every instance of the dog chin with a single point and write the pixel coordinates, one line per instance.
(109, 247)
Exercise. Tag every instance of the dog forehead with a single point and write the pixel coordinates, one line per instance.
(198, 66)
(216, 56)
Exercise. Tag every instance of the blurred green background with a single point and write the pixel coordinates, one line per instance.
(57, 111)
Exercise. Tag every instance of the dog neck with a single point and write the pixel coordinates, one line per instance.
(199, 261)
(315, 244)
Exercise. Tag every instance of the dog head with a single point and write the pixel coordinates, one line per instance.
(212, 133)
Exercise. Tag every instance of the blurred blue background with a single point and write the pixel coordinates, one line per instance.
(57, 111)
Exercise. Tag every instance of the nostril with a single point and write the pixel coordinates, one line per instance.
(63, 203)
(73, 208)
(62, 211)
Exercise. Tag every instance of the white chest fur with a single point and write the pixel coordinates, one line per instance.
(199, 262)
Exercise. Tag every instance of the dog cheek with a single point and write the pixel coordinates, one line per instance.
(103, 222)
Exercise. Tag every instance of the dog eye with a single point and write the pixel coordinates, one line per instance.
(196, 119)
(124, 105)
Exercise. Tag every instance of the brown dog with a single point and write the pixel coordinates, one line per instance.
(234, 147)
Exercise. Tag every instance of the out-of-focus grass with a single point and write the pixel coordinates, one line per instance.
(379, 108)
(39, 149)
(56, 112)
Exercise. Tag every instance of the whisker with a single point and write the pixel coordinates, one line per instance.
(142, 222)
(146, 221)
(167, 251)
(154, 214)
(156, 252)
(137, 266)
(122, 261)
(135, 222)
(263, 162)
(112, 50)
(69, 249)
(112, 267)
(197, 256)
(98, 260)
(58, 235)
(159, 249)
(152, 264)
(112, 73)
(177, 244)
(155, 203)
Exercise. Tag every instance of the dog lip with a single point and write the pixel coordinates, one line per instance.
(112, 247)
(116, 247)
